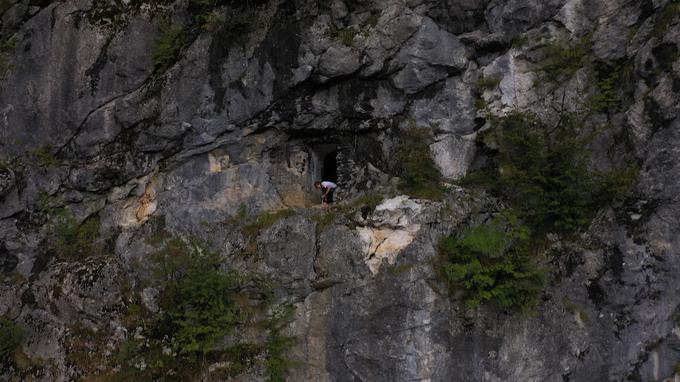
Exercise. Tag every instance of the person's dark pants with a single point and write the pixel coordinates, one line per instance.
(329, 197)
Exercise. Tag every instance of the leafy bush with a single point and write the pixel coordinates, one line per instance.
(111, 13)
(196, 298)
(563, 58)
(419, 175)
(168, 45)
(45, 157)
(544, 173)
(73, 241)
(85, 348)
(492, 263)
(608, 97)
(369, 200)
(5, 5)
(324, 220)
(345, 35)
(231, 18)
(11, 336)
(199, 305)
(364, 204)
(227, 15)
(196, 310)
(665, 18)
(276, 345)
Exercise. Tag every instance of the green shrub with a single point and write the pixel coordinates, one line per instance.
(276, 345)
(168, 45)
(111, 13)
(197, 309)
(324, 220)
(608, 96)
(544, 173)
(490, 82)
(562, 59)
(492, 263)
(364, 204)
(231, 18)
(44, 157)
(373, 18)
(85, 348)
(665, 18)
(419, 175)
(11, 336)
(196, 298)
(5, 5)
(6, 50)
(73, 241)
(199, 305)
(213, 20)
(227, 15)
(345, 35)
(370, 201)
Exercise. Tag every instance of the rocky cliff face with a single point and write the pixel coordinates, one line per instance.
(250, 109)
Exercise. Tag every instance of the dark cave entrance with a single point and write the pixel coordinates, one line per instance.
(329, 168)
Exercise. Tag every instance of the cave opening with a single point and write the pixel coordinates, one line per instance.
(329, 168)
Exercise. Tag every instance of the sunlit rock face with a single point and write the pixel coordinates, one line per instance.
(242, 121)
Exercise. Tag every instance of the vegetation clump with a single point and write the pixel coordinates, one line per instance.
(85, 348)
(562, 58)
(277, 344)
(6, 49)
(232, 17)
(492, 263)
(11, 336)
(608, 97)
(226, 15)
(419, 175)
(111, 13)
(364, 204)
(74, 241)
(264, 221)
(200, 304)
(488, 82)
(197, 307)
(665, 18)
(324, 220)
(44, 157)
(544, 173)
(5, 5)
(168, 45)
(345, 35)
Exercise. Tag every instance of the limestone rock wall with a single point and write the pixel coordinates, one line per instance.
(240, 121)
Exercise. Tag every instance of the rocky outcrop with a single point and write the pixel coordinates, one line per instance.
(243, 121)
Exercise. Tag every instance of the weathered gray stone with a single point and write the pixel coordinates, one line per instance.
(289, 254)
(339, 60)
(454, 155)
(244, 120)
(449, 108)
(430, 55)
(515, 16)
(396, 24)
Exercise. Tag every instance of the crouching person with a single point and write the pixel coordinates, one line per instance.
(327, 188)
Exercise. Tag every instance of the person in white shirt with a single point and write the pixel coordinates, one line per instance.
(327, 189)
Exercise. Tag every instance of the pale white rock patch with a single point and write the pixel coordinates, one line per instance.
(389, 230)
